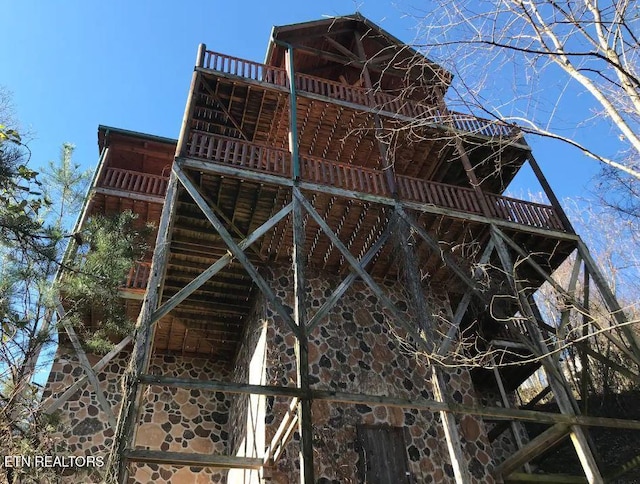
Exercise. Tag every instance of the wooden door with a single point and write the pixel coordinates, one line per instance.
(383, 455)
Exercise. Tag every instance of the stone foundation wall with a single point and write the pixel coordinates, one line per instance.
(172, 419)
(84, 428)
(357, 349)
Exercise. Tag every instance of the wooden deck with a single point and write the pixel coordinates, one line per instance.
(273, 161)
(376, 100)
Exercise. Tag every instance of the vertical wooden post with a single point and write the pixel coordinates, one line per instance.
(293, 115)
(451, 433)
(584, 358)
(181, 147)
(556, 379)
(143, 341)
(305, 421)
(516, 427)
(411, 269)
(550, 195)
(387, 167)
(466, 162)
(302, 351)
(609, 299)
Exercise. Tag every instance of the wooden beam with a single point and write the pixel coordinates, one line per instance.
(446, 257)
(501, 427)
(556, 380)
(516, 427)
(346, 283)
(454, 444)
(388, 168)
(199, 460)
(461, 310)
(584, 346)
(491, 413)
(125, 433)
(86, 366)
(341, 48)
(234, 248)
(451, 131)
(527, 257)
(300, 305)
(69, 392)
(215, 97)
(566, 312)
(561, 290)
(217, 266)
(111, 192)
(550, 194)
(543, 442)
(181, 146)
(366, 277)
(226, 170)
(610, 299)
(282, 434)
(517, 477)
(411, 269)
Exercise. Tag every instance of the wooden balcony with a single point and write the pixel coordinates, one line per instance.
(138, 276)
(273, 161)
(374, 100)
(134, 181)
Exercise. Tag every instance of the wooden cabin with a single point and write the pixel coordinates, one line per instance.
(326, 223)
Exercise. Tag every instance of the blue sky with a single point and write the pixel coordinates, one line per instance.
(75, 64)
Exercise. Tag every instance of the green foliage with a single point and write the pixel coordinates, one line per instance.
(36, 212)
(110, 246)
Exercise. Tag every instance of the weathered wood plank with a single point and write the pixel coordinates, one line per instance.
(543, 442)
(200, 460)
(517, 477)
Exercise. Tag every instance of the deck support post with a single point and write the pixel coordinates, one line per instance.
(556, 380)
(610, 299)
(125, 433)
(305, 420)
(619, 315)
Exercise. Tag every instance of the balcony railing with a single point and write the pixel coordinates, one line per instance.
(373, 99)
(138, 276)
(275, 161)
(134, 181)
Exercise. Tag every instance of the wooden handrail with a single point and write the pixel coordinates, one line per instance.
(244, 68)
(134, 181)
(275, 161)
(356, 95)
(138, 276)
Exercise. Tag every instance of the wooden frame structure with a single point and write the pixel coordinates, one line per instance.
(291, 198)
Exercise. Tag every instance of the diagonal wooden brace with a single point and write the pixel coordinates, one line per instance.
(86, 366)
(69, 392)
(234, 248)
(217, 266)
(346, 283)
(366, 277)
